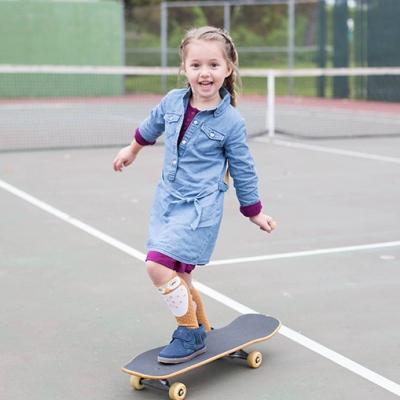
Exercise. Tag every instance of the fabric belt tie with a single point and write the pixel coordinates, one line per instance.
(180, 198)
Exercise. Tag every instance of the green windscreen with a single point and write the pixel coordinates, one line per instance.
(61, 33)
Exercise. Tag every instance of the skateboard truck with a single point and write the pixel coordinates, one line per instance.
(254, 359)
(176, 391)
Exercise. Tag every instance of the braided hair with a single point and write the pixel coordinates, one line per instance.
(209, 33)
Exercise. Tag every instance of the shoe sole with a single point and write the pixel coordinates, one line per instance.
(181, 360)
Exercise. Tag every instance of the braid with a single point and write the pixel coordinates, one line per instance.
(210, 33)
(230, 85)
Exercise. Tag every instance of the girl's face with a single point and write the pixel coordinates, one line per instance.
(206, 69)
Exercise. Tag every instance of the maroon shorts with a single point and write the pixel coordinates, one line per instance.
(170, 262)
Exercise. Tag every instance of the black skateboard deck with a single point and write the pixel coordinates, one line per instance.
(228, 341)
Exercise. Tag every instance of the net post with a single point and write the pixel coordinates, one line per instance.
(271, 103)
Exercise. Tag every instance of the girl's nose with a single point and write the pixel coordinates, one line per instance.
(204, 71)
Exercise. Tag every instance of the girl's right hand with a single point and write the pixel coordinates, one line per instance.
(265, 222)
(124, 158)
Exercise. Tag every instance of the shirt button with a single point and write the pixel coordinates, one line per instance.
(174, 162)
(184, 141)
(195, 122)
(212, 135)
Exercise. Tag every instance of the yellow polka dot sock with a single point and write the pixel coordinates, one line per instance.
(176, 294)
(200, 311)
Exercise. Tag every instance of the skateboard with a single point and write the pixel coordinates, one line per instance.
(229, 341)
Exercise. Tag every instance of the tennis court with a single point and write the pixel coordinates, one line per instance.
(77, 303)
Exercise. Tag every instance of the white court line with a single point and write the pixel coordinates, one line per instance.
(308, 343)
(287, 332)
(306, 253)
(73, 221)
(330, 150)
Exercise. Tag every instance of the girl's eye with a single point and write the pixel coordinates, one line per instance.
(195, 65)
(214, 65)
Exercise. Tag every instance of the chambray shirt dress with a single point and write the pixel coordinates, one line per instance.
(188, 203)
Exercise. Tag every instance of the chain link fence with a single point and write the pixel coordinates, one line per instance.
(278, 34)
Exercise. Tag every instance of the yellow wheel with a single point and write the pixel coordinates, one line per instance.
(135, 382)
(254, 359)
(177, 391)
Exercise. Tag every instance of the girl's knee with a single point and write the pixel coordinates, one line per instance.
(158, 273)
(150, 266)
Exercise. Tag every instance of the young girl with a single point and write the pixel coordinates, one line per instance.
(204, 135)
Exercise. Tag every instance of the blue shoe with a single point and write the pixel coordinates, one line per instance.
(186, 344)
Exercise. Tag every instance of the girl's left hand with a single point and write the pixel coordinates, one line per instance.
(265, 222)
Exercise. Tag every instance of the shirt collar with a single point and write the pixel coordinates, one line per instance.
(221, 107)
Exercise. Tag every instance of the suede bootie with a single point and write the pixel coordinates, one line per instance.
(186, 344)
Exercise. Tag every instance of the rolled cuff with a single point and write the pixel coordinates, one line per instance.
(252, 210)
(139, 139)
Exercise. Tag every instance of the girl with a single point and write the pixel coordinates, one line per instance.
(204, 134)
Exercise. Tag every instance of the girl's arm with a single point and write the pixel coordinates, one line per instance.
(245, 180)
(152, 127)
(126, 156)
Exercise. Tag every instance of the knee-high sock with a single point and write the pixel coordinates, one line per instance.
(176, 294)
(200, 312)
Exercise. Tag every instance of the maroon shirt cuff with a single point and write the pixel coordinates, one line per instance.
(139, 139)
(251, 211)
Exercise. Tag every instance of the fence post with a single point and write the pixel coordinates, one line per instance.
(291, 27)
(123, 46)
(271, 103)
(164, 43)
(321, 45)
(227, 16)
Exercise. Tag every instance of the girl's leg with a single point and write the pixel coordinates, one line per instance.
(188, 340)
(175, 291)
(199, 306)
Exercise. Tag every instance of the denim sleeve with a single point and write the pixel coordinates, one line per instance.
(139, 139)
(153, 126)
(241, 166)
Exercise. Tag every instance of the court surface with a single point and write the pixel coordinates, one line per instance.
(77, 304)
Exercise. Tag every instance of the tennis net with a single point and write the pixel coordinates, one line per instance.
(44, 107)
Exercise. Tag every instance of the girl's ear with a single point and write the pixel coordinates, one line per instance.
(228, 71)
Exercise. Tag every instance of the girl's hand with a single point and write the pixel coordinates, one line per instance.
(124, 158)
(265, 222)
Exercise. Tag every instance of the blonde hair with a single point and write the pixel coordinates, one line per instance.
(209, 33)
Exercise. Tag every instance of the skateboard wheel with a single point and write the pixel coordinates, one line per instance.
(136, 383)
(177, 391)
(254, 359)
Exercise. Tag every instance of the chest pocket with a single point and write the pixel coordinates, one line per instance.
(208, 140)
(171, 121)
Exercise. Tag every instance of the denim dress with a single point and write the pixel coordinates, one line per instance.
(188, 204)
